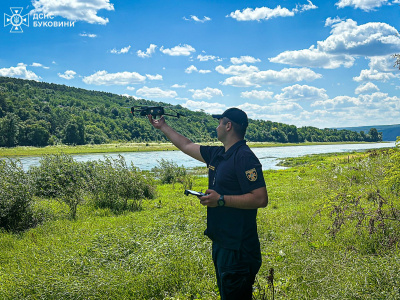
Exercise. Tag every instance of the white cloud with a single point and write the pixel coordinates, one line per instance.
(382, 63)
(266, 13)
(368, 75)
(259, 95)
(365, 5)
(120, 78)
(287, 75)
(346, 42)
(156, 92)
(196, 19)
(75, 10)
(201, 57)
(244, 59)
(206, 93)
(178, 86)
(184, 50)
(211, 108)
(313, 58)
(90, 35)
(370, 39)
(366, 87)
(39, 65)
(192, 69)
(154, 77)
(236, 70)
(122, 51)
(69, 74)
(148, 53)
(329, 21)
(130, 88)
(302, 92)
(19, 71)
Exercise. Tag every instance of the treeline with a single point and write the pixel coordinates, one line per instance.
(40, 114)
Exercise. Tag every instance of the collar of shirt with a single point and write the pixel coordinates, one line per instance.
(232, 149)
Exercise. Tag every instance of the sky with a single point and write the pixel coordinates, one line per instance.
(304, 63)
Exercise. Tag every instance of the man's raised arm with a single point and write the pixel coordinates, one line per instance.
(183, 143)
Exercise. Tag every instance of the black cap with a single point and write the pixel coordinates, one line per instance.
(234, 114)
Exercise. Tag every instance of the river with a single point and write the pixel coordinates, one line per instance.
(269, 156)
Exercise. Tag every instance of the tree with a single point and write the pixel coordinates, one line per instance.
(9, 130)
(75, 132)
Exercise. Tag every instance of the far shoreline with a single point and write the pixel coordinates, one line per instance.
(138, 147)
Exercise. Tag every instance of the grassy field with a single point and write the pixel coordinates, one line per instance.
(160, 252)
(123, 147)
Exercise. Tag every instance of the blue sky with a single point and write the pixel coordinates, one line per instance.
(306, 63)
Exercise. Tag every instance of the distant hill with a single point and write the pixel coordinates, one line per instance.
(389, 132)
(40, 114)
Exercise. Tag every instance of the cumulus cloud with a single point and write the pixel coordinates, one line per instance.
(206, 93)
(366, 5)
(302, 92)
(259, 95)
(313, 58)
(121, 51)
(366, 87)
(236, 70)
(69, 74)
(155, 92)
(266, 13)
(148, 53)
(120, 78)
(192, 69)
(154, 77)
(287, 75)
(180, 50)
(19, 71)
(197, 19)
(201, 57)
(74, 10)
(347, 41)
(368, 75)
(244, 59)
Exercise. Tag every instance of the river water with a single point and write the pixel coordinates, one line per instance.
(269, 156)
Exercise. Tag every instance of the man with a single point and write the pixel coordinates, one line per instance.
(236, 188)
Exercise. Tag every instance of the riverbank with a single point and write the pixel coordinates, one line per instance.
(129, 147)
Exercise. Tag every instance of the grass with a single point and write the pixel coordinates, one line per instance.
(160, 252)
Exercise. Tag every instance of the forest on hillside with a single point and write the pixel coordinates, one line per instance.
(39, 114)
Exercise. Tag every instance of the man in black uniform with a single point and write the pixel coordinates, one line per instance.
(236, 188)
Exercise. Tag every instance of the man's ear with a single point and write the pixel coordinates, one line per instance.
(229, 126)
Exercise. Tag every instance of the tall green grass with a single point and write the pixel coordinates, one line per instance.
(160, 252)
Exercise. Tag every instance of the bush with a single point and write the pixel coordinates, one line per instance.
(59, 176)
(15, 197)
(113, 184)
(169, 172)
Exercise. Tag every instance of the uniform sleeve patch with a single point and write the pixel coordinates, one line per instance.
(251, 174)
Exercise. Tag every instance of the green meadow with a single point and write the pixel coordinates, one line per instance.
(331, 231)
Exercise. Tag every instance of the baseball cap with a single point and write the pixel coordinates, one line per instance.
(234, 114)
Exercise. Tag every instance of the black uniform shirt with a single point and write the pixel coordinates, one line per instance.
(235, 172)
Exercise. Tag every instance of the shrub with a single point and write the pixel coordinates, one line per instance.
(113, 184)
(169, 172)
(15, 197)
(59, 176)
